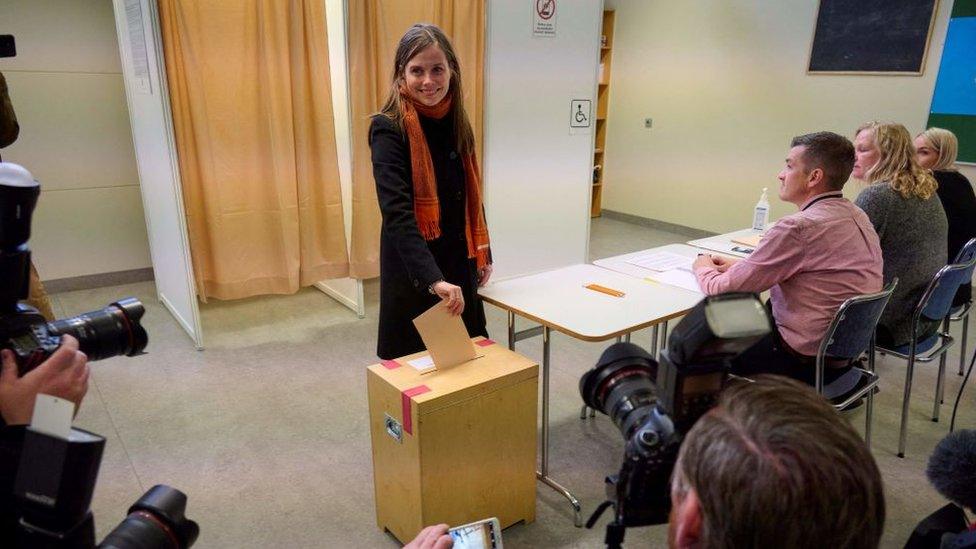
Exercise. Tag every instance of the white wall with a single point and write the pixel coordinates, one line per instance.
(537, 175)
(66, 87)
(726, 86)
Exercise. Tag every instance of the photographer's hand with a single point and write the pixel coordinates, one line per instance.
(432, 537)
(64, 374)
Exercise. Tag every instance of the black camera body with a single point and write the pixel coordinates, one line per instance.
(112, 331)
(655, 403)
(56, 476)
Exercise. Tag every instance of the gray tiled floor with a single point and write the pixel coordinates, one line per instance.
(267, 432)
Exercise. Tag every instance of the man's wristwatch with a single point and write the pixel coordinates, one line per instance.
(431, 287)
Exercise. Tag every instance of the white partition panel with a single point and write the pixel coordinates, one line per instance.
(140, 45)
(347, 291)
(538, 172)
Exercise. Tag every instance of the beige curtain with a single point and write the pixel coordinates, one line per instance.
(252, 112)
(375, 27)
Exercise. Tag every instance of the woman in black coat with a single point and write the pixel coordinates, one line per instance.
(936, 149)
(434, 241)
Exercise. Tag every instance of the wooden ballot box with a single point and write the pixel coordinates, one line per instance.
(455, 445)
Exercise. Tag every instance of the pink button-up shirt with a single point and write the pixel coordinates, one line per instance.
(811, 262)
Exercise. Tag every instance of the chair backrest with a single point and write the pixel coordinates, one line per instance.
(937, 299)
(853, 326)
(967, 252)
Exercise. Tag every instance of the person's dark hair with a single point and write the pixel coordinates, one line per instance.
(774, 465)
(832, 153)
(418, 38)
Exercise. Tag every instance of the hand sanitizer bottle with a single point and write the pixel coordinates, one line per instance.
(761, 215)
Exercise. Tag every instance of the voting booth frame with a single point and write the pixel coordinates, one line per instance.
(455, 445)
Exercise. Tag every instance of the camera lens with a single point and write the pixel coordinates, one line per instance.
(156, 521)
(621, 385)
(108, 332)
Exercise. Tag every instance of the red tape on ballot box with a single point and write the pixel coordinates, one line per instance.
(407, 412)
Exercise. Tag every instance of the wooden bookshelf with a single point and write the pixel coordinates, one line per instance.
(602, 106)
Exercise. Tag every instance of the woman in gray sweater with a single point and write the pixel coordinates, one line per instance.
(902, 204)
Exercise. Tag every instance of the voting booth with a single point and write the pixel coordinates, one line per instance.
(453, 445)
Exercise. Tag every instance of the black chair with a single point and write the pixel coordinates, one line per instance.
(850, 335)
(933, 305)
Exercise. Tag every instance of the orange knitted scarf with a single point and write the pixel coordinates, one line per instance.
(426, 207)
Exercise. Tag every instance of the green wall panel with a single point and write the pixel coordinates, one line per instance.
(965, 129)
(964, 8)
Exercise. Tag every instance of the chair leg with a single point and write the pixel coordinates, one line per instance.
(904, 404)
(962, 344)
(868, 418)
(583, 411)
(939, 387)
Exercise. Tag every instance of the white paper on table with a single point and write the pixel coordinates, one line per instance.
(680, 278)
(423, 363)
(662, 261)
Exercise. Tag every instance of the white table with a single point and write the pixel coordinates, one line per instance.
(558, 301)
(621, 264)
(723, 243)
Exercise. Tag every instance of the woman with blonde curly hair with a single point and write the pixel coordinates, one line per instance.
(936, 149)
(903, 206)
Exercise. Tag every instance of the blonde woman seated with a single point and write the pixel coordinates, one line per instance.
(906, 213)
(936, 149)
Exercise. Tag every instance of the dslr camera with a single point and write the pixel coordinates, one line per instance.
(654, 403)
(56, 477)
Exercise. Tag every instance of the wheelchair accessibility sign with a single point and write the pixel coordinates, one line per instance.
(580, 113)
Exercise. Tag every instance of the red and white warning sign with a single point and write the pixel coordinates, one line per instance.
(543, 17)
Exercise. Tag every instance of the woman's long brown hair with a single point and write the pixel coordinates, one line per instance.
(416, 39)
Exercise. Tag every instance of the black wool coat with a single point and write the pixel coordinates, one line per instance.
(408, 263)
(959, 202)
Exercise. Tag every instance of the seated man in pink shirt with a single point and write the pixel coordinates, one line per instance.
(810, 261)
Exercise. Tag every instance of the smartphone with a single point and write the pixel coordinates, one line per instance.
(484, 534)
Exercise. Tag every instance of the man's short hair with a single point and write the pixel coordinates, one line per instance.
(832, 153)
(774, 465)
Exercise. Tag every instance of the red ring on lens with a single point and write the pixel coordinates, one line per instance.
(162, 525)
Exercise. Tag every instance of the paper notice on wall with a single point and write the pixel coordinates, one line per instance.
(138, 53)
(543, 17)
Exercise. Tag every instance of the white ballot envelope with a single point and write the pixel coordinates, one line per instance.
(445, 336)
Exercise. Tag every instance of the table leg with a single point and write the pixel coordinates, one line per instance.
(543, 473)
(511, 331)
(664, 336)
(654, 339)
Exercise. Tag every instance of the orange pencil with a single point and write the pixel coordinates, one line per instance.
(604, 290)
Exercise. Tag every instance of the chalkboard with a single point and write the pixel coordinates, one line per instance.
(872, 36)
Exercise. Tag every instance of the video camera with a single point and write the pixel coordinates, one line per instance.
(654, 404)
(56, 477)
